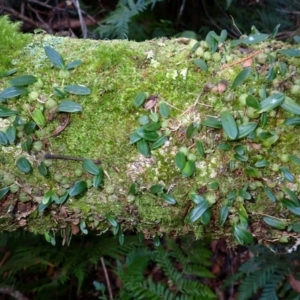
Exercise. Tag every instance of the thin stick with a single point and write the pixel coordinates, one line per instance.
(107, 278)
(241, 60)
(58, 156)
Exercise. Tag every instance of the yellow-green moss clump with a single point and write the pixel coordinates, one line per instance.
(242, 183)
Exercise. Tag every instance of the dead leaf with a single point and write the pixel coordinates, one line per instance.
(150, 102)
(295, 284)
(247, 63)
(74, 228)
(63, 123)
(222, 86)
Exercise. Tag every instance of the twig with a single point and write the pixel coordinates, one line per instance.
(106, 278)
(58, 156)
(241, 60)
(82, 21)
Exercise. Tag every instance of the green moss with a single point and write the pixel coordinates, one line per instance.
(12, 42)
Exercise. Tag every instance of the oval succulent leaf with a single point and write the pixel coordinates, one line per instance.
(287, 174)
(168, 198)
(276, 223)
(8, 73)
(292, 121)
(161, 141)
(201, 64)
(152, 126)
(288, 105)
(73, 64)
(164, 110)
(223, 214)
(3, 192)
(212, 122)
(82, 227)
(252, 172)
(156, 189)
(69, 106)
(3, 139)
(255, 38)
(54, 57)
(290, 52)
(241, 77)
(188, 168)
(180, 160)
(242, 235)
(147, 135)
(139, 99)
(90, 167)
(112, 221)
(78, 187)
(77, 89)
(38, 117)
(192, 128)
(229, 125)
(143, 147)
(23, 80)
(295, 209)
(5, 112)
(11, 134)
(23, 165)
(269, 194)
(252, 102)
(271, 102)
(98, 179)
(200, 148)
(43, 169)
(199, 210)
(295, 159)
(12, 91)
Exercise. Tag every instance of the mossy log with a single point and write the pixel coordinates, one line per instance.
(204, 100)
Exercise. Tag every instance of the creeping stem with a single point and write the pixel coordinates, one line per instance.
(58, 156)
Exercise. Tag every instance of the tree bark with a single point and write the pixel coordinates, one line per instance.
(237, 181)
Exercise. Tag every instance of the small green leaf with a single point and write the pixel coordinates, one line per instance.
(90, 167)
(77, 89)
(26, 146)
(262, 163)
(297, 39)
(134, 137)
(192, 128)
(188, 168)
(290, 52)
(272, 74)
(255, 38)
(29, 127)
(156, 189)
(69, 106)
(12, 92)
(82, 227)
(201, 64)
(196, 198)
(252, 102)
(212, 122)
(206, 216)
(3, 192)
(156, 241)
(43, 169)
(292, 121)
(23, 80)
(275, 31)
(229, 125)
(98, 179)
(271, 102)
(295, 209)
(38, 117)
(252, 172)
(59, 93)
(23, 165)
(47, 197)
(289, 105)
(78, 187)
(154, 117)
(287, 174)
(11, 134)
(54, 57)
(121, 238)
(241, 77)
(161, 141)
(195, 47)
(168, 198)
(143, 147)
(112, 221)
(152, 126)
(295, 159)
(240, 157)
(147, 135)
(5, 112)
(224, 147)
(269, 194)
(291, 194)
(239, 149)
(143, 120)
(133, 189)
(180, 160)
(200, 148)
(140, 99)
(223, 214)
(8, 73)
(242, 235)
(164, 110)
(276, 223)
(198, 211)
(73, 64)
